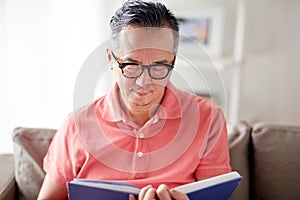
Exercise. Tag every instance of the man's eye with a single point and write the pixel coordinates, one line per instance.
(132, 67)
(127, 65)
(158, 69)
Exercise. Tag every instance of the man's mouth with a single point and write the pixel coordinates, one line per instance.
(141, 93)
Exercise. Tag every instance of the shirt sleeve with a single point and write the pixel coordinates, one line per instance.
(62, 161)
(214, 159)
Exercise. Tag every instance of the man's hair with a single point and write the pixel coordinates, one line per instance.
(144, 14)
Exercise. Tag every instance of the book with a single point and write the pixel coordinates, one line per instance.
(215, 188)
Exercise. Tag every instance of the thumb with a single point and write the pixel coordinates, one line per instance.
(178, 195)
(131, 197)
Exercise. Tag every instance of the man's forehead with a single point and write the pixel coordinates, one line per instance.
(132, 38)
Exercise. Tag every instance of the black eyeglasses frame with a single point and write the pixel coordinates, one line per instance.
(148, 67)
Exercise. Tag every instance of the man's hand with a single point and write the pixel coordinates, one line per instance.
(161, 193)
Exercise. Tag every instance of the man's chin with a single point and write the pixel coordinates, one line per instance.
(139, 104)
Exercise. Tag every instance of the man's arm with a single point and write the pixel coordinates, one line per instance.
(51, 190)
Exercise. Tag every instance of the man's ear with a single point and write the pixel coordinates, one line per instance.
(108, 53)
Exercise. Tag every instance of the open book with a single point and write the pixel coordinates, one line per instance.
(215, 188)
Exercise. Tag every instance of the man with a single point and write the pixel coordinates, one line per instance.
(145, 131)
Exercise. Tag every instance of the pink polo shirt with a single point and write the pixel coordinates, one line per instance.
(183, 141)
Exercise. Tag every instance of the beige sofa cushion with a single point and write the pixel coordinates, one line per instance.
(30, 147)
(238, 139)
(276, 162)
(7, 181)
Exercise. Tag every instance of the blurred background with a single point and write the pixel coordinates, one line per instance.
(254, 45)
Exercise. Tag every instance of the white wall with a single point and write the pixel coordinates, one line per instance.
(270, 76)
(42, 47)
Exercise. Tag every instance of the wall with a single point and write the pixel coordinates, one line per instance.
(270, 75)
(264, 87)
(44, 45)
(196, 7)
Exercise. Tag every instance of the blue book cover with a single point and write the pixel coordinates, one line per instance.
(215, 188)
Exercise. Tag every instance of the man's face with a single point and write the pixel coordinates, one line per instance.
(144, 47)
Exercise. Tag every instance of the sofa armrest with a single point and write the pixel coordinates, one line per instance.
(7, 178)
(239, 143)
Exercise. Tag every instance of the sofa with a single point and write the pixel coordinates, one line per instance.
(266, 155)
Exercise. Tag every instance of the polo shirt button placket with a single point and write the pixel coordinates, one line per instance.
(141, 135)
(140, 154)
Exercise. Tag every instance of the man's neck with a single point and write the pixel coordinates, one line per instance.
(138, 116)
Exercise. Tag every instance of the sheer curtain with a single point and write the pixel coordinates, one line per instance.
(42, 47)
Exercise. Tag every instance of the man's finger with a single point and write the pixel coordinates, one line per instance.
(150, 194)
(163, 192)
(178, 195)
(147, 192)
(131, 197)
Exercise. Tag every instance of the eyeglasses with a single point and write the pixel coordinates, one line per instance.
(156, 70)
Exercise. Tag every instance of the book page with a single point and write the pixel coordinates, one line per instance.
(208, 182)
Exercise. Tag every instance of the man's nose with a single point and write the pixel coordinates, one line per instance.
(144, 78)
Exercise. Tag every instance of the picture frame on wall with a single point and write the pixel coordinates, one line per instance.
(204, 27)
(194, 29)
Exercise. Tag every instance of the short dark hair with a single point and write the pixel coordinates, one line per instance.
(144, 14)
